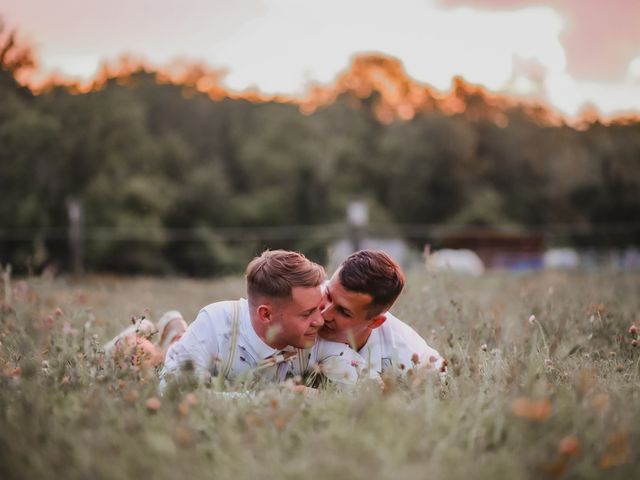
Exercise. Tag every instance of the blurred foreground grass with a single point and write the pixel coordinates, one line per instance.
(554, 397)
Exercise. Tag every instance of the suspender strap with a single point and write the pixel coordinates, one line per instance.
(303, 359)
(233, 340)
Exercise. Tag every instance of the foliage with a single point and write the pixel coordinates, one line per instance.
(161, 161)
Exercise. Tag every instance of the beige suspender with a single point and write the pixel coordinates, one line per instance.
(303, 359)
(233, 340)
(302, 354)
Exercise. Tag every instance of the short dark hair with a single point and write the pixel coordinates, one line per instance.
(275, 272)
(375, 273)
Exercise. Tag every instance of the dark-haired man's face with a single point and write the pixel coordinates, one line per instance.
(346, 314)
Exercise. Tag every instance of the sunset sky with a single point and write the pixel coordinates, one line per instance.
(568, 53)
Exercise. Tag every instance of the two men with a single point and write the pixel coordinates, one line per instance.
(273, 334)
(269, 336)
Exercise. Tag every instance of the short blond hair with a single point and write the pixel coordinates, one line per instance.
(275, 272)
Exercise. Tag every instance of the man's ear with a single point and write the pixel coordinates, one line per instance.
(377, 321)
(265, 314)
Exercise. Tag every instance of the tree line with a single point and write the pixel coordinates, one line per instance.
(145, 155)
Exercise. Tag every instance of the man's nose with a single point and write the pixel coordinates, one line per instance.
(323, 302)
(317, 321)
(325, 306)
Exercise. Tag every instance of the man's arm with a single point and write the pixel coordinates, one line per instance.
(198, 346)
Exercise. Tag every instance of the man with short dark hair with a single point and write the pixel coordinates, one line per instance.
(263, 337)
(355, 311)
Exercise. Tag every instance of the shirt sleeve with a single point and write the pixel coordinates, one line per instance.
(414, 347)
(198, 345)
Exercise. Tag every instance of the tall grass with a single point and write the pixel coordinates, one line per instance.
(543, 381)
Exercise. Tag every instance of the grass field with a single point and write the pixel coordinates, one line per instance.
(556, 396)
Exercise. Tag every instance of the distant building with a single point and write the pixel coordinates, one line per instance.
(498, 248)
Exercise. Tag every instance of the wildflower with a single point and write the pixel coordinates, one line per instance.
(569, 446)
(548, 363)
(634, 343)
(132, 396)
(65, 380)
(58, 312)
(633, 330)
(415, 359)
(183, 409)
(280, 422)
(600, 402)
(153, 404)
(612, 354)
(47, 322)
(483, 347)
(183, 436)
(617, 452)
(253, 421)
(532, 319)
(81, 297)
(191, 399)
(443, 368)
(534, 410)
(67, 330)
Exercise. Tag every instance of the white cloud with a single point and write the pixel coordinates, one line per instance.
(634, 69)
(279, 46)
(277, 50)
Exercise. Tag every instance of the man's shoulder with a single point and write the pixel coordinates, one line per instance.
(223, 306)
(222, 312)
(396, 328)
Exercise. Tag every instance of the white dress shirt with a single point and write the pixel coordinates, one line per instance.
(207, 344)
(395, 345)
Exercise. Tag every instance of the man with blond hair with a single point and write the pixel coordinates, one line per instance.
(264, 337)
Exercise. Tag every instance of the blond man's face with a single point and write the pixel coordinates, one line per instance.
(297, 320)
